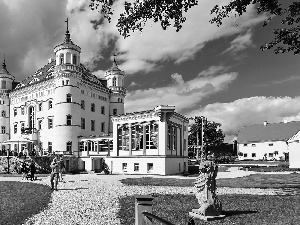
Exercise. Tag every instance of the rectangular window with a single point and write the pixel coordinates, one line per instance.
(49, 147)
(83, 123)
(15, 128)
(69, 146)
(69, 120)
(253, 145)
(245, 145)
(15, 112)
(50, 123)
(149, 167)
(102, 110)
(270, 144)
(3, 131)
(115, 112)
(270, 154)
(81, 146)
(22, 111)
(103, 127)
(124, 167)
(50, 104)
(253, 155)
(3, 84)
(82, 104)
(82, 92)
(179, 167)
(93, 107)
(15, 147)
(136, 167)
(41, 106)
(184, 144)
(69, 98)
(40, 124)
(92, 125)
(22, 126)
(245, 154)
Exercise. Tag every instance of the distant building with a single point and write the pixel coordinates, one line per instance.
(266, 141)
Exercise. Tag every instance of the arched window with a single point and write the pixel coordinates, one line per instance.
(69, 120)
(61, 57)
(69, 98)
(50, 104)
(114, 81)
(74, 60)
(3, 113)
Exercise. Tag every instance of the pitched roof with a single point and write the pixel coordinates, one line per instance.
(269, 132)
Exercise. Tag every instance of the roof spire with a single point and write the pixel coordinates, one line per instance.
(67, 38)
(4, 65)
(115, 62)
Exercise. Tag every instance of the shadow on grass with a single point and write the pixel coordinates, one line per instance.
(237, 212)
(72, 189)
(239, 209)
(21, 200)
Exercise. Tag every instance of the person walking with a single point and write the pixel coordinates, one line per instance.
(32, 170)
(24, 170)
(61, 170)
(54, 174)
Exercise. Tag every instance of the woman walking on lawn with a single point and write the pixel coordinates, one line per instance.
(54, 174)
(24, 170)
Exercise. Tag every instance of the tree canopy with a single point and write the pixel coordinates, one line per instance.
(168, 12)
(213, 135)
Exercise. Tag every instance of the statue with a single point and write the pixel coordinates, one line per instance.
(210, 205)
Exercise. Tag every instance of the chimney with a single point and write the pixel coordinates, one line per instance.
(265, 123)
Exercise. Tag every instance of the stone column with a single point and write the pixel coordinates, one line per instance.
(130, 139)
(108, 147)
(144, 140)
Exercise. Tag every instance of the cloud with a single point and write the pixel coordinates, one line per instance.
(275, 82)
(183, 94)
(240, 43)
(247, 111)
(143, 52)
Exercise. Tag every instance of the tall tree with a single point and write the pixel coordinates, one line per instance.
(136, 14)
(213, 135)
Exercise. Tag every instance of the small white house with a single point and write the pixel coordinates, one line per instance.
(294, 151)
(266, 141)
(149, 142)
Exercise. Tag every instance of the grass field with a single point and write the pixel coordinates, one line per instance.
(20, 200)
(239, 209)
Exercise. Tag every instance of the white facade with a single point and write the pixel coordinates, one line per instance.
(153, 141)
(59, 105)
(270, 150)
(294, 151)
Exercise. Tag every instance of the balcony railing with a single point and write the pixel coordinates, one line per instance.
(69, 67)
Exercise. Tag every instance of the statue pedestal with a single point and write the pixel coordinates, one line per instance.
(206, 218)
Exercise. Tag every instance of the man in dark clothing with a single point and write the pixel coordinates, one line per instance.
(54, 174)
(32, 170)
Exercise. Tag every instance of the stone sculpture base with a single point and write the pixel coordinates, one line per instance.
(206, 218)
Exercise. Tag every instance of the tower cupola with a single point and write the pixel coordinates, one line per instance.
(4, 72)
(67, 52)
(115, 78)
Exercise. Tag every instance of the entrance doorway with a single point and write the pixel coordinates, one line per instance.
(97, 164)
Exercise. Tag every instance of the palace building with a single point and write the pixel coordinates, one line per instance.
(64, 109)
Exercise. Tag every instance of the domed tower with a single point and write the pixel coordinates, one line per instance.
(66, 121)
(115, 82)
(6, 81)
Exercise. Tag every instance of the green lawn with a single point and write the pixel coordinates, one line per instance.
(239, 209)
(253, 181)
(20, 200)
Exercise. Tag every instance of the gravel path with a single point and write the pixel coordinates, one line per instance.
(93, 199)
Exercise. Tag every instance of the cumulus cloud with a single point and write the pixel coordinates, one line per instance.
(183, 94)
(247, 111)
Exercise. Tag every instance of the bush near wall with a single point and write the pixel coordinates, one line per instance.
(42, 163)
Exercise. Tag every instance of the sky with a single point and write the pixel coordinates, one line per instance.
(203, 70)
